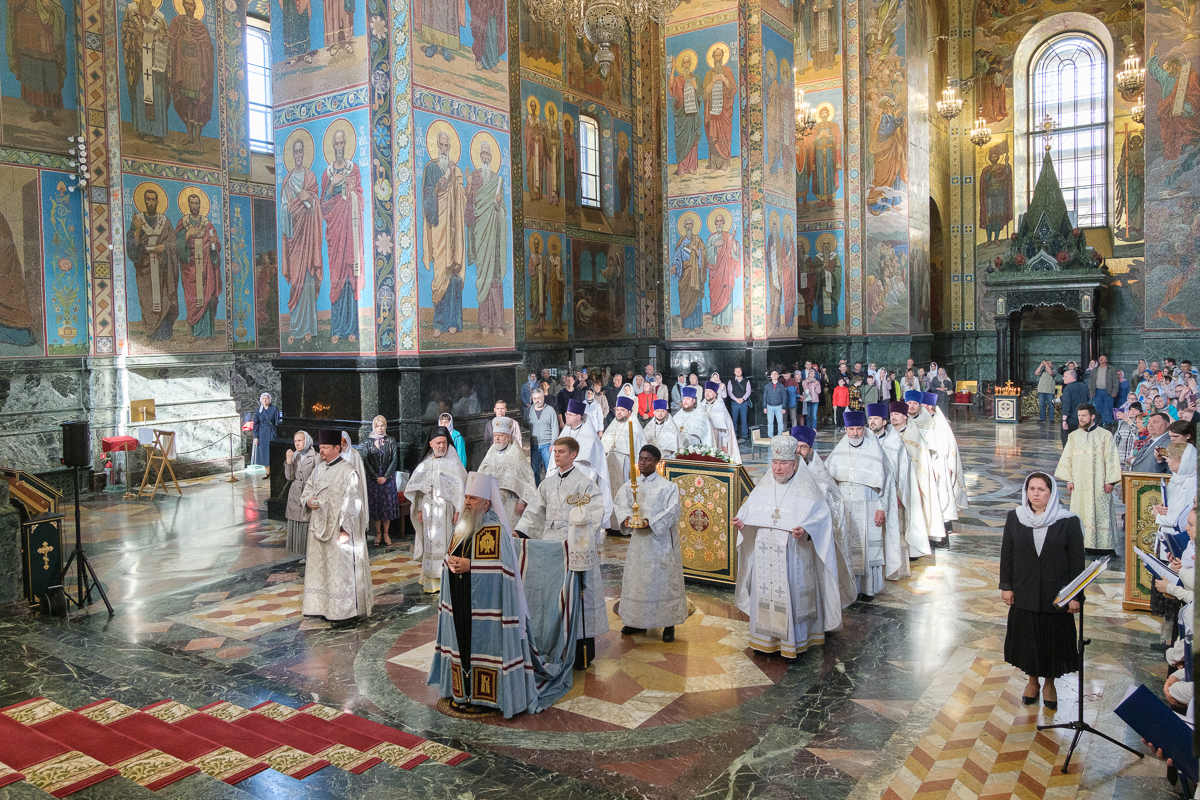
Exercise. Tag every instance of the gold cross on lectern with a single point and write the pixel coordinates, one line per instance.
(45, 550)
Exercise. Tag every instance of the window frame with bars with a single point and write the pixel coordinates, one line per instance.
(589, 156)
(264, 111)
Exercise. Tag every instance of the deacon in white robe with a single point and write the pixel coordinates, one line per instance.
(337, 575)
(694, 428)
(861, 470)
(569, 507)
(652, 593)
(958, 485)
(787, 561)
(724, 433)
(918, 452)
(941, 483)
(507, 463)
(807, 458)
(896, 552)
(617, 450)
(436, 490)
(662, 432)
(591, 459)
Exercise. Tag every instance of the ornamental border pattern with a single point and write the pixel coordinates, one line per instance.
(853, 177)
(383, 202)
(314, 107)
(457, 108)
(406, 278)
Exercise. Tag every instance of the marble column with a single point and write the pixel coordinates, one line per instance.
(1002, 361)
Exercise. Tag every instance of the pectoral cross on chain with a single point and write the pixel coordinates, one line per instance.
(776, 515)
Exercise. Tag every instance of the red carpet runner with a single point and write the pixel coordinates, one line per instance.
(62, 751)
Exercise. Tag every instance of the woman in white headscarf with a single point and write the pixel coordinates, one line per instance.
(298, 465)
(456, 439)
(1042, 551)
(595, 413)
(1171, 518)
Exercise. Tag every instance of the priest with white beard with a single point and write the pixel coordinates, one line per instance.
(617, 449)
(591, 459)
(724, 433)
(861, 470)
(809, 459)
(662, 432)
(436, 491)
(506, 462)
(694, 428)
(652, 594)
(787, 561)
(337, 579)
(569, 507)
(922, 459)
(912, 538)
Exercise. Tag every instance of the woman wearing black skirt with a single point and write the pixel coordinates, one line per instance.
(380, 457)
(1042, 552)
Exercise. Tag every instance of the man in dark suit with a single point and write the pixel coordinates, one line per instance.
(1147, 460)
(1074, 394)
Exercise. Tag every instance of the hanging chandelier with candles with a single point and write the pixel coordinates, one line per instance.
(1132, 78)
(1139, 111)
(951, 105)
(602, 21)
(981, 134)
(805, 121)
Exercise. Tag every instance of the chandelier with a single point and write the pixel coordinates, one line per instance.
(1131, 79)
(980, 134)
(805, 121)
(1139, 111)
(602, 21)
(950, 106)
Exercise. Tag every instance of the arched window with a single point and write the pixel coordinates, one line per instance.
(258, 85)
(1068, 80)
(589, 151)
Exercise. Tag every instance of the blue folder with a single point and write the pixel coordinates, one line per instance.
(1155, 722)
(1176, 542)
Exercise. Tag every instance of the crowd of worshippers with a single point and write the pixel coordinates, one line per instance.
(511, 548)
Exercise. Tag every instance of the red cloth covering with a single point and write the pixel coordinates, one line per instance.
(962, 397)
(111, 444)
(47, 763)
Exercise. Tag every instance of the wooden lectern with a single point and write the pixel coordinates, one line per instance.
(159, 454)
(710, 493)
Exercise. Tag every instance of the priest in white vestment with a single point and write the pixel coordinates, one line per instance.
(913, 540)
(918, 452)
(958, 484)
(506, 462)
(337, 576)
(809, 459)
(617, 450)
(652, 594)
(591, 459)
(694, 428)
(941, 481)
(914, 483)
(787, 561)
(569, 507)
(662, 432)
(436, 490)
(1092, 469)
(724, 433)
(861, 470)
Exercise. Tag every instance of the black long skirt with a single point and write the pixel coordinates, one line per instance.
(1041, 645)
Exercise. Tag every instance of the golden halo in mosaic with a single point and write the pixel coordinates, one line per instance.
(827, 106)
(554, 245)
(787, 223)
(179, 8)
(770, 64)
(534, 237)
(802, 244)
(720, 214)
(773, 220)
(785, 70)
(303, 136)
(718, 47)
(477, 145)
(686, 56)
(568, 124)
(551, 110)
(684, 217)
(182, 201)
(829, 239)
(139, 196)
(533, 106)
(431, 144)
(345, 126)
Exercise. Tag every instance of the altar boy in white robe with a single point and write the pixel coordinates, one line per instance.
(787, 561)
(507, 463)
(436, 489)
(662, 432)
(694, 428)
(912, 538)
(591, 458)
(724, 433)
(918, 453)
(617, 452)
(569, 507)
(860, 468)
(337, 581)
(652, 594)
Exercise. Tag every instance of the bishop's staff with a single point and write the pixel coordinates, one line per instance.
(636, 520)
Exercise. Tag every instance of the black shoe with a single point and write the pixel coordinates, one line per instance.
(1173, 774)
(1051, 705)
(628, 631)
(342, 624)
(669, 634)
(1030, 701)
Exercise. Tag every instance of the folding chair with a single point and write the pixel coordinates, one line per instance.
(159, 455)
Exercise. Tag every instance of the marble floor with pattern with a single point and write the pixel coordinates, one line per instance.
(911, 700)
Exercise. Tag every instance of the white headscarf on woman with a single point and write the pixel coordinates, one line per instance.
(627, 389)
(308, 442)
(595, 413)
(1041, 522)
(263, 406)
(1181, 491)
(352, 455)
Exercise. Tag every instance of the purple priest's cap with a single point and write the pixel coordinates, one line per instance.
(689, 391)
(804, 435)
(625, 403)
(914, 397)
(929, 399)
(877, 410)
(896, 407)
(576, 407)
(854, 419)
(716, 387)
(660, 404)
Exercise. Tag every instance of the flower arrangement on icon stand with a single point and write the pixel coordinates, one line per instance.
(700, 453)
